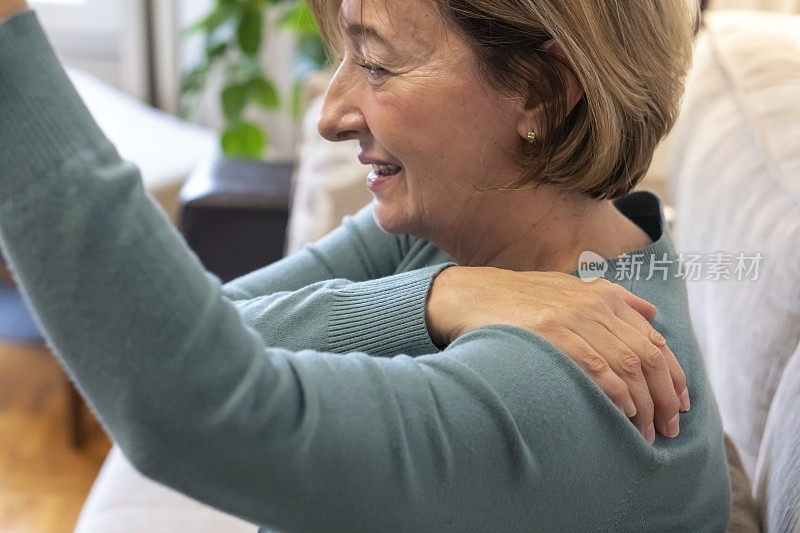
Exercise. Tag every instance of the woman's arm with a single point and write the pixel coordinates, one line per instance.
(340, 294)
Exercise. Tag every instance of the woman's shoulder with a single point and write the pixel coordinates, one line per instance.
(575, 432)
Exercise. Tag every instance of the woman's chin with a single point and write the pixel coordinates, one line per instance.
(390, 198)
(390, 217)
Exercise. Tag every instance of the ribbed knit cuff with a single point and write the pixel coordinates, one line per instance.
(385, 316)
(39, 107)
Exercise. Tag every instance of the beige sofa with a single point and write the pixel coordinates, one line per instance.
(736, 185)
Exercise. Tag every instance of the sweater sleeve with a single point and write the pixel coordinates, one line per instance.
(340, 294)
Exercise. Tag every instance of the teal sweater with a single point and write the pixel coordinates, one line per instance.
(307, 396)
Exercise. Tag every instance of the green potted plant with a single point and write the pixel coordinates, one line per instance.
(232, 35)
(234, 209)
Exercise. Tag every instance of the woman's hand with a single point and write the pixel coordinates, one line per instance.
(9, 8)
(600, 325)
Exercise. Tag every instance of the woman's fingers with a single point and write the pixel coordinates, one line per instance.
(679, 379)
(656, 372)
(625, 363)
(676, 372)
(640, 305)
(654, 355)
(577, 349)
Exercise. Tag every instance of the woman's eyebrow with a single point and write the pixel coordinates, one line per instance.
(357, 32)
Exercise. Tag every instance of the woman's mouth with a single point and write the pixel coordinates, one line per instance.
(386, 170)
(381, 175)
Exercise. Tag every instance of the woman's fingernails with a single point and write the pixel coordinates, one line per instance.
(630, 409)
(685, 404)
(674, 427)
(650, 434)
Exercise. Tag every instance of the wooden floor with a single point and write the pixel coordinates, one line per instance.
(43, 480)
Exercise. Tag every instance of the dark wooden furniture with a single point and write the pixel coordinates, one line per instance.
(234, 213)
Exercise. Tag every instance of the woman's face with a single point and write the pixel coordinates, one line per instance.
(409, 91)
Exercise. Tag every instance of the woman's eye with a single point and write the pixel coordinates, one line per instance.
(373, 71)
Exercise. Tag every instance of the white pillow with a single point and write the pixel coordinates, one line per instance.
(736, 185)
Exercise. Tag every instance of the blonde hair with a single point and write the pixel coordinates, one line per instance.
(630, 58)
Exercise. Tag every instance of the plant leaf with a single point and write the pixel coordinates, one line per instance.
(212, 21)
(297, 99)
(194, 80)
(234, 99)
(243, 139)
(264, 92)
(249, 32)
(215, 51)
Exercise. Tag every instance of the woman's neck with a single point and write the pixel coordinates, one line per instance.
(542, 229)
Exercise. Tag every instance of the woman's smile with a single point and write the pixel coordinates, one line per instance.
(382, 173)
(381, 176)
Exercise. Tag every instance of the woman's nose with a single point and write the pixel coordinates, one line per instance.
(341, 118)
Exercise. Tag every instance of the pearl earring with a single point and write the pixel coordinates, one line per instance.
(531, 137)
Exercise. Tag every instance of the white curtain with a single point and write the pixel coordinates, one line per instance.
(104, 38)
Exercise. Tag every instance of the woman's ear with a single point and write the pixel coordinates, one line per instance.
(532, 119)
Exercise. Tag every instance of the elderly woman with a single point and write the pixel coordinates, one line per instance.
(504, 139)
